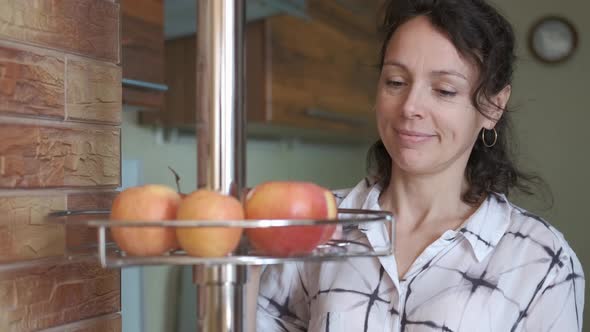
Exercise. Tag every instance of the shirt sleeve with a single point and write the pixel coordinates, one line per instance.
(560, 304)
(282, 300)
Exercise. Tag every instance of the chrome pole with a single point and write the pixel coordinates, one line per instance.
(221, 150)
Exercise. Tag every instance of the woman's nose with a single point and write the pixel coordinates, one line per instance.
(412, 105)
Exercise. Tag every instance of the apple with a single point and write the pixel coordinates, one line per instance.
(209, 241)
(290, 200)
(145, 203)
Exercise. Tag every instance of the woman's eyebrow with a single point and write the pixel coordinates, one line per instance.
(433, 73)
(449, 72)
(394, 64)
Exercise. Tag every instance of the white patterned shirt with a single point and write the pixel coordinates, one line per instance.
(504, 269)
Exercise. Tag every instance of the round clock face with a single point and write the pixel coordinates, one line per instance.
(553, 39)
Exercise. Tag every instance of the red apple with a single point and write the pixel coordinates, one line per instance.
(290, 200)
(145, 203)
(209, 241)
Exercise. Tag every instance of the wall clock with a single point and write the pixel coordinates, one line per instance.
(553, 39)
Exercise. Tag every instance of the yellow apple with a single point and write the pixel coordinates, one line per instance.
(209, 241)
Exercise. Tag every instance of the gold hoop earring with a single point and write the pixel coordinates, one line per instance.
(483, 137)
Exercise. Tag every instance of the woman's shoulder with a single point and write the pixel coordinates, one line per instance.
(535, 226)
(535, 232)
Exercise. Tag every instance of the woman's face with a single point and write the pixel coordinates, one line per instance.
(424, 112)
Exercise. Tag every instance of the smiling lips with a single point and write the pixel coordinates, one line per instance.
(413, 137)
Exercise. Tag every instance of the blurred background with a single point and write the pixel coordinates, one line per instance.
(311, 78)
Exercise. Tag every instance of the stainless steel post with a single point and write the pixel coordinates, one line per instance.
(220, 152)
(221, 298)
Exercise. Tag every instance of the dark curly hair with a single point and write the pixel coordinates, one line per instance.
(484, 36)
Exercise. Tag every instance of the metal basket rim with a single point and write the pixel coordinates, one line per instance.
(63, 216)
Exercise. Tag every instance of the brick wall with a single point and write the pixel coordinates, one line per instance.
(60, 113)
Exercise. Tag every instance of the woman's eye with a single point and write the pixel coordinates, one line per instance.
(446, 93)
(394, 83)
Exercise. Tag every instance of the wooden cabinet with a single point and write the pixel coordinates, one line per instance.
(318, 74)
(180, 73)
(304, 78)
(142, 53)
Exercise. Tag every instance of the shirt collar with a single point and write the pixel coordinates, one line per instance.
(361, 196)
(483, 230)
(486, 227)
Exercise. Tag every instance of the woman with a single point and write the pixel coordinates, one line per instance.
(466, 259)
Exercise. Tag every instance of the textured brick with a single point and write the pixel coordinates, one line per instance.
(31, 82)
(93, 91)
(24, 233)
(86, 27)
(41, 157)
(51, 294)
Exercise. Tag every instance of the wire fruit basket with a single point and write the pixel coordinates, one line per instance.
(349, 239)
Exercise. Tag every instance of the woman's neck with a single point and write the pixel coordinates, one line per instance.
(426, 199)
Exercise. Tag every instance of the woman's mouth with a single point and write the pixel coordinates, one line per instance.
(413, 137)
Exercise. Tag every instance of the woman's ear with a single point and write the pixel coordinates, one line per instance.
(497, 107)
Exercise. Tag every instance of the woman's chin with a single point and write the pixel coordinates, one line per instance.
(413, 164)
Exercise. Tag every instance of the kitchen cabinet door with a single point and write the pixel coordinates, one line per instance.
(310, 78)
(316, 75)
(142, 53)
(179, 104)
